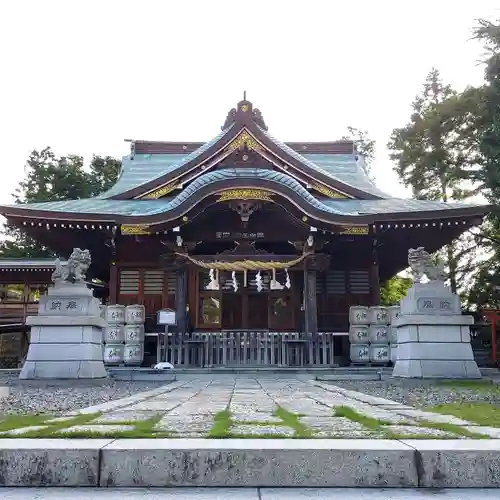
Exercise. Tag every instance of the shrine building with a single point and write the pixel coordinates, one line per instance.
(246, 237)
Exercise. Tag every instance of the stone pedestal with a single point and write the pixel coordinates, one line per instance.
(66, 336)
(433, 335)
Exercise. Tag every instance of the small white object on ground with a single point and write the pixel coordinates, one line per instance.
(164, 366)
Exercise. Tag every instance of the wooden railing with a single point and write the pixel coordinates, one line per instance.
(16, 312)
(230, 348)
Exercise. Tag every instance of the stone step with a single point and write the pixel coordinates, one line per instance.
(126, 463)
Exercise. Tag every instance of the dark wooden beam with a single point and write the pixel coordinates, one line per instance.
(310, 302)
(181, 300)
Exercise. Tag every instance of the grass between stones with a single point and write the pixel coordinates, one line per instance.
(223, 424)
(383, 427)
(368, 422)
(12, 422)
(479, 413)
(63, 428)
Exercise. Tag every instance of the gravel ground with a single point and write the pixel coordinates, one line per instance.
(59, 399)
(422, 394)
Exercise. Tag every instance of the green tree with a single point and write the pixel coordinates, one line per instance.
(485, 291)
(393, 290)
(51, 178)
(436, 158)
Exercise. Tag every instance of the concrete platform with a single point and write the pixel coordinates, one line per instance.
(253, 463)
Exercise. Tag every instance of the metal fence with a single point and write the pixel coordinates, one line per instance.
(230, 348)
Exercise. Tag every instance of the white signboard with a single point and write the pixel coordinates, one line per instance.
(166, 317)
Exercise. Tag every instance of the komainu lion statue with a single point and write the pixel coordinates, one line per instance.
(75, 269)
(421, 265)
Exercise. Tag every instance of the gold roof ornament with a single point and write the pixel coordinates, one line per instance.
(354, 230)
(134, 229)
(331, 193)
(245, 194)
(244, 139)
(160, 192)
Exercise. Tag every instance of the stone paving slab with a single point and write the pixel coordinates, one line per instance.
(198, 424)
(125, 416)
(24, 430)
(493, 432)
(246, 494)
(261, 430)
(413, 430)
(333, 424)
(98, 429)
(373, 494)
(254, 417)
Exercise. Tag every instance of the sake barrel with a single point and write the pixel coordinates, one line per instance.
(115, 314)
(114, 334)
(134, 334)
(133, 354)
(378, 315)
(360, 353)
(394, 313)
(135, 315)
(380, 353)
(113, 354)
(358, 334)
(394, 352)
(393, 335)
(358, 315)
(379, 334)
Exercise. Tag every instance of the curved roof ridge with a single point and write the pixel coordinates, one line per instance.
(307, 159)
(178, 160)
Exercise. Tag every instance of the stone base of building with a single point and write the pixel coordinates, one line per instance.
(431, 346)
(64, 347)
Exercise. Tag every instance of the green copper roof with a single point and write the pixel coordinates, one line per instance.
(143, 168)
(163, 205)
(342, 167)
(346, 169)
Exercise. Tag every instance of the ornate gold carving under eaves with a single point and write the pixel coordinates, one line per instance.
(331, 193)
(134, 229)
(354, 230)
(245, 194)
(160, 192)
(242, 140)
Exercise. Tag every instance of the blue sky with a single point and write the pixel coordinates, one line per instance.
(81, 76)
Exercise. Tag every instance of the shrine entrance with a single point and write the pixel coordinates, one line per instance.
(238, 307)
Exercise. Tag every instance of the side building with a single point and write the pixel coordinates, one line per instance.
(248, 238)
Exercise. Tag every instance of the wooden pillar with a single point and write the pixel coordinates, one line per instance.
(374, 276)
(181, 300)
(113, 284)
(310, 302)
